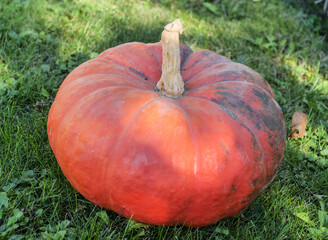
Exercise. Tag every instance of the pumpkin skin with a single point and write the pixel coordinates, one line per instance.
(191, 160)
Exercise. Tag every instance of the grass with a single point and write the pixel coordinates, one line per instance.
(42, 41)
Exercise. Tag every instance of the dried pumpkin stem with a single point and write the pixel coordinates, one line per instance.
(171, 83)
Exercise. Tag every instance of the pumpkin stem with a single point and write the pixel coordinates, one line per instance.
(171, 83)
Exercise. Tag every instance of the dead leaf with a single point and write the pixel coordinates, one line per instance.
(299, 121)
(40, 104)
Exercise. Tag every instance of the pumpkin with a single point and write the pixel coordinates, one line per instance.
(166, 135)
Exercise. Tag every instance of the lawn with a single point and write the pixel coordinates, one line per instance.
(42, 41)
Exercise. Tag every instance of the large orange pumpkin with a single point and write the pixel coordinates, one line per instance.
(168, 158)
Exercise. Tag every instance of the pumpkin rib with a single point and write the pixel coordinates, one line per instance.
(85, 79)
(229, 81)
(134, 117)
(136, 73)
(205, 69)
(75, 99)
(149, 62)
(143, 90)
(220, 69)
(170, 163)
(88, 95)
(102, 73)
(205, 56)
(150, 52)
(84, 70)
(184, 212)
(73, 107)
(227, 64)
(260, 166)
(104, 88)
(233, 116)
(192, 133)
(265, 117)
(101, 117)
